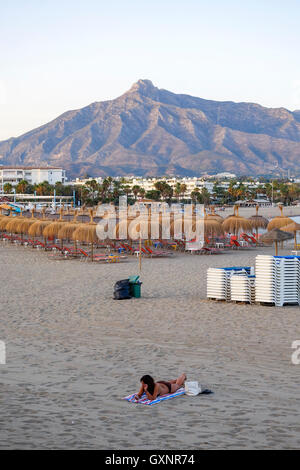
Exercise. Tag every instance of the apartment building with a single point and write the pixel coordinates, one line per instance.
(33, 175)
(191, 184)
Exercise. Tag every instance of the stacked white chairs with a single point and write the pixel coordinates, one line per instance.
(218, 282)
(242, 287)
(252, 282)
(287, 280)
(265, 271)
(277, 280)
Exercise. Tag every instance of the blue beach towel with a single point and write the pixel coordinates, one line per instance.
(145, 401)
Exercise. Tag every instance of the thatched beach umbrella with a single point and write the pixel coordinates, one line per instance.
(276, 236)
(214, 216)
(5, 220)
(234, 223)
(37, 228)
(292, 228)
(24, 224)
(279, 221)
(13, 224)
(67, 230)
(213, 227)
(189, 226)
(87, 233)
(51, 230)
(258, 221)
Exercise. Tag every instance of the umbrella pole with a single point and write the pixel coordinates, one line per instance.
(295, 244)
(140, 254)
(276, 248)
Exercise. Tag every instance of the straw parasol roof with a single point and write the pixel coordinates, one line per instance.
(188, 226)
(258, 221)
(275, 236)
(87, 232)
(67, 230)
(12, 225)
(51, 230)
(5, 221)
(292, 228)
(24, 223)
(235, 223)
(137, 227)
(279, 221)
(36, 229)
(213, 227)
(214, 216)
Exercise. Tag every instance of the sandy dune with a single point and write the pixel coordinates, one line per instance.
(73, 352)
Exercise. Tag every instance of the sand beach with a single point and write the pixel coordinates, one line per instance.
(73, 352)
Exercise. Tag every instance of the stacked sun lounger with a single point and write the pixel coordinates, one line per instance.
(242, 287)
(265, 271)
(252, 282)
(278, 280)
(218, 281)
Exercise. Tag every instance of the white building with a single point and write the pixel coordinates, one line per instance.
(33, 175)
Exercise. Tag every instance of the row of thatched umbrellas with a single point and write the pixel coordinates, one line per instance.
(214, 225)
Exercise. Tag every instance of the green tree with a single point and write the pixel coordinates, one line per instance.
(206, 198)
(196, 195)
(136, 191)
(183, 189)
(177, 190)
(21, 187)
(142, 192)
(153, 194)
(7, 188)
(44, 189)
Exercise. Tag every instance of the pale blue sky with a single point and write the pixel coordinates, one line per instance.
(57, 55)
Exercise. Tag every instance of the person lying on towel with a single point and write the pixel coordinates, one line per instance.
(153, 389)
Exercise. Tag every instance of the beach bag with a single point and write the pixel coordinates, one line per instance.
(192, 388)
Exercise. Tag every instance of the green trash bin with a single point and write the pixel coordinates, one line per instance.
(135, 286)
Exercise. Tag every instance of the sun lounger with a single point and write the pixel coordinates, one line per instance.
(105, 258)
(128, 248)
(156, 253)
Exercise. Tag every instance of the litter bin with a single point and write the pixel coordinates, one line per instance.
(135, 286)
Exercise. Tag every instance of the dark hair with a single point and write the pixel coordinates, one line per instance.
(147, 379)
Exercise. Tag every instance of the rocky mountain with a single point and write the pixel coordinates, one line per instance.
(150, 131)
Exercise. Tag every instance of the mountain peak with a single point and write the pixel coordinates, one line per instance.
(144, 87)
(151, 131)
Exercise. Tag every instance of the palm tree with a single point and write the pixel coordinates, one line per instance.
(136, 190)
(127, 189)
(205, 196)
(167, 192)
(21, 187)
(196, 195)
(183, 189)
(142, 192)
(7, 188)
(177, 190)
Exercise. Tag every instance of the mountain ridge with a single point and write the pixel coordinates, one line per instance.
(151, 131)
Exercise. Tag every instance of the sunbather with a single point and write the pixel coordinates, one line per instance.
(161, 387)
